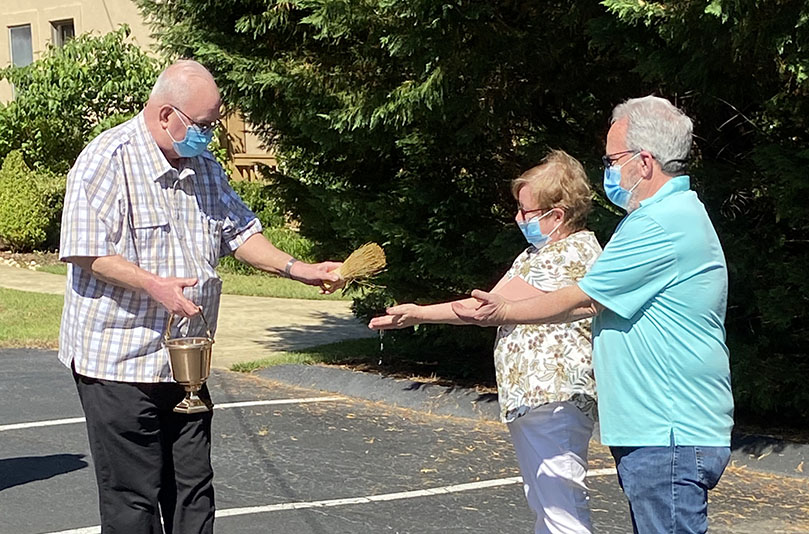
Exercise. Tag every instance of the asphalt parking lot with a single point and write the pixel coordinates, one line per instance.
(294, 460)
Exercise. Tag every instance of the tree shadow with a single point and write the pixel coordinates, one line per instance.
(756, 445)
(25, 469)
(482, 398)
(330, 328)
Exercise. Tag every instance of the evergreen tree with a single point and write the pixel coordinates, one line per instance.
(403, 121)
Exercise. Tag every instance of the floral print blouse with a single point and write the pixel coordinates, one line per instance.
(540, 364)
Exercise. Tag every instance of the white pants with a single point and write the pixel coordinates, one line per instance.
(551, 443)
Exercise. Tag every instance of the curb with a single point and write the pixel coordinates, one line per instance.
(421, 396)
(761, 453)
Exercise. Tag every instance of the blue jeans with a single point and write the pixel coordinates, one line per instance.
(667, 487)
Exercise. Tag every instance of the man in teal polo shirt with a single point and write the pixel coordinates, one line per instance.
(658, 293)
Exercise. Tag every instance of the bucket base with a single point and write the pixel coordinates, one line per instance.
(193, 405)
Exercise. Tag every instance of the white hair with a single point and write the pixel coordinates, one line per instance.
(657, 126)
(173, 85)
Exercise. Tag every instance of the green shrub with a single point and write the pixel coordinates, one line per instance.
(72, 93)
(260, 198)
(286, 239)
(30, 205)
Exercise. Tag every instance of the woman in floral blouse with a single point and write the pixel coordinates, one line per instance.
(544, 375)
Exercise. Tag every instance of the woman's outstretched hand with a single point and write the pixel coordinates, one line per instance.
(400, 316)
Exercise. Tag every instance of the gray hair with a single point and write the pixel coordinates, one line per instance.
(657, 126)
(173, 85)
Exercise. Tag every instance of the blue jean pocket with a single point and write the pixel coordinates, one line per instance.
(711, 463)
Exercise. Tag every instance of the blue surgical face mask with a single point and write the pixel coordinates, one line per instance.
(612, 185)
(533, 233)
(195, 141)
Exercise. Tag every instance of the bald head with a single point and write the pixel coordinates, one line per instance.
(182, 82)
(184, 94)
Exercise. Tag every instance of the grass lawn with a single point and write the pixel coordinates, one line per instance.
(258, 285)
(29, 319)
(60, 268)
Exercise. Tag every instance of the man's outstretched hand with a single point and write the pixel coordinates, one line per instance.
(318, 274)
(491, 309)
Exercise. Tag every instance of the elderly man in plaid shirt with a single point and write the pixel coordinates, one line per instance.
(147, 215)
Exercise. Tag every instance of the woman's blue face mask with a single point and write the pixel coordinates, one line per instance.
(195, 141)
(612, 185)
(533, 233)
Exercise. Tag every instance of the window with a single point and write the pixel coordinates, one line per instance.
(62, 31)
(22, 51)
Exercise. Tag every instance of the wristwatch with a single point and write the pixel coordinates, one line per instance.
(288, 268)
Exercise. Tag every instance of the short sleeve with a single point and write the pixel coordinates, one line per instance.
(240, 222)
(637, 264)
(560, 264)
(91, 215)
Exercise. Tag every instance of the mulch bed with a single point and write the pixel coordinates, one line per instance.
(29, 259)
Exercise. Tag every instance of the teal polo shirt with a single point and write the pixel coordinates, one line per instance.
(659, 353)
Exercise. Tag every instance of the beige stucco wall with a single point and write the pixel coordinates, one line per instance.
(98, 16)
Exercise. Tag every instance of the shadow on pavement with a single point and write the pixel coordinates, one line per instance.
(757, 445)
(481, 397)
(330, 328)
(19, 471)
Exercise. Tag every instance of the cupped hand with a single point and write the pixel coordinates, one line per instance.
(400, 316)
(491, 309)
(169, 293)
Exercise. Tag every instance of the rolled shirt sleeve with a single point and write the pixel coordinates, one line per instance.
(240, 222)
(637, 263)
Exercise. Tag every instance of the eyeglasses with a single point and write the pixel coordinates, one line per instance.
(611, 159)
(203, 126)
(524, 213)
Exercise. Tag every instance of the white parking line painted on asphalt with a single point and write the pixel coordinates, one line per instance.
(429, 492)
(52, 422)
(244, 404)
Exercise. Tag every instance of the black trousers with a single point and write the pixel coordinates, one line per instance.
(149, 460)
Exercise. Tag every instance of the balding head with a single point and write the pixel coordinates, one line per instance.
(181, 83)
(184, 94)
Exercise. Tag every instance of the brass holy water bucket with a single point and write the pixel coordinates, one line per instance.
(190, 360)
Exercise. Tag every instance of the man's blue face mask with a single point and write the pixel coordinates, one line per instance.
(612, 185)
(195, 141)
(533, 233)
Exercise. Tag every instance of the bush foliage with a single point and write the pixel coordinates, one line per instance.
(402, 122)
(261, 198)
(72, 93)
(61, 102)
(30, 205)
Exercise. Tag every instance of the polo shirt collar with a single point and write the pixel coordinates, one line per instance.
(158, 165)
(677, 184)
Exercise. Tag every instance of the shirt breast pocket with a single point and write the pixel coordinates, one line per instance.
(152, 241)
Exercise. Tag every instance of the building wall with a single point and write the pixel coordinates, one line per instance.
(100, 17)
(247, 156)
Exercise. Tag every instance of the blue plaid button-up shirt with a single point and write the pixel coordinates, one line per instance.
(124, 198)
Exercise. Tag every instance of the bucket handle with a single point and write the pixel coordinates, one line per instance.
(171, 319)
